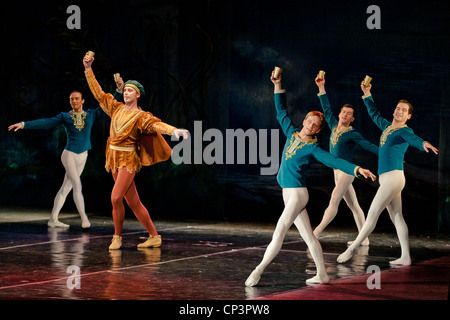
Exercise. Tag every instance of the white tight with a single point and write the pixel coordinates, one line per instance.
(74, 165)
(295, 200)
(389, 196)
(343, 189)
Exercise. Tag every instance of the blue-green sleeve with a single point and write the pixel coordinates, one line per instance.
(332, 162)
(412, 139)
(282, 116)
(364, 143)
(117, 95)
(326, 107)
(45, 123)
(380, 121)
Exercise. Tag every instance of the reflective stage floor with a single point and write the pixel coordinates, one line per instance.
(203, 261)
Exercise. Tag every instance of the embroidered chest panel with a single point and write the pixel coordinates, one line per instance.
(123, 119)
(387, 132)
(78, 119)
(295, 144)
(336, 134)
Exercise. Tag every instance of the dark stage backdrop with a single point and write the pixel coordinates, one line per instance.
(210, 61)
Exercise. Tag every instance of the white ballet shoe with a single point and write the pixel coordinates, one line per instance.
(344, 257)
(253, 279)
(318, 280)
(401, 262)
(57, 224)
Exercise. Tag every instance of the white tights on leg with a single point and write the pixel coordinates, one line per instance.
(345, 190)
(295, 200)
(74, 164)
(388, 196)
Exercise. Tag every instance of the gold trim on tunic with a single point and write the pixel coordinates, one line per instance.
(336, 134)
(297, 143)
(390, 129)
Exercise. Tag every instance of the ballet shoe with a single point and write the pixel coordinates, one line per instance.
(116, 243)
(57, 224)
(85, 224)
(318, 280)
(151, 242)
(253, 278)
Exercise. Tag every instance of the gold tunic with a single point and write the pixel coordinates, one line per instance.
(134, 137)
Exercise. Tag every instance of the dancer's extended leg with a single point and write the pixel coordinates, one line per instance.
(122, 182)
(304, 226)
(139, 210)
(342, 181)
(391, 184)
(358, 214)
(295, 200)
(74, 165)
(395, 213)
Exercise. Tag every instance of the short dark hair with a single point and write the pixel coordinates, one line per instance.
(347, 105)
(78, 92)
(410, 109)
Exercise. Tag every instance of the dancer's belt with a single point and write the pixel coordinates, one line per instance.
(122, 148)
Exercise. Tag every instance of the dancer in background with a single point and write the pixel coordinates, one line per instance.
(126, 151)
(299, 151)
(78, 124)
(394, 142)
(343, 141)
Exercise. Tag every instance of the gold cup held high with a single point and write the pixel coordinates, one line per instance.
(90, 54)
(116, 76)
(321, 74)
(367, 80)
(276, 72)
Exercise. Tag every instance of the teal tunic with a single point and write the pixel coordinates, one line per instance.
(393, 142)
(77, 126)
(299, 153)
(343, 143)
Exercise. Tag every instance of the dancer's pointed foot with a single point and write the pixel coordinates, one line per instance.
(151, 242)
(318, 280)
(406, 261)
(85, 223)
(116, 243)
(57, 224)
(253, 278)
(344, 257)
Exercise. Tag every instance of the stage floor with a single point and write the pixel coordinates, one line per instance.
(202, 261)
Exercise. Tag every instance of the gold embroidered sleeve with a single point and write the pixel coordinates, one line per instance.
(151, 124)
(106, 101)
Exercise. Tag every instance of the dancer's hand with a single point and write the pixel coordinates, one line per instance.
(366, 89)
(427, 145)
(180, 132)
(276, 81)
(87, 62)
(16, 126)
(367, 174)
(320, 83)
(119, 84)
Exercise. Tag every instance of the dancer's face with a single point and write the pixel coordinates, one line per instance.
(346, 116)
(311, 125)
(401, 113)
(130, 95)
(76, 101)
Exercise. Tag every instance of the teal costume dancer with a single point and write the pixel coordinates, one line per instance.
(78, 127)
(343, 143)
(299, 153)
(394, 142)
